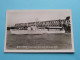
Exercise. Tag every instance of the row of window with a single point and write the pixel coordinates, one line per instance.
(47, 23)
(36, 24)
(41, 26)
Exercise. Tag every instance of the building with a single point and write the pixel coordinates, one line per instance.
(52, 24)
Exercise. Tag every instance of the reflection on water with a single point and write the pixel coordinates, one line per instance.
(43, 41)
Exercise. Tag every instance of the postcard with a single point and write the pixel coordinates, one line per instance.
(39, 31)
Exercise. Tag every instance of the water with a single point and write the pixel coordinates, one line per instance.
(43, 41)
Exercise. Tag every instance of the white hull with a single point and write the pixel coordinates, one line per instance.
(34, 32)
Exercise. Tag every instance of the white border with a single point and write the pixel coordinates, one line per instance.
(41, 51)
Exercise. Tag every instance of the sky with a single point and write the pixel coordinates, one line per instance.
(25, 16)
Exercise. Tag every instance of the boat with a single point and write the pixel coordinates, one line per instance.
(34, 30)
(38, 30)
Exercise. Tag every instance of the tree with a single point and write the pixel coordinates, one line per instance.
(67, 18)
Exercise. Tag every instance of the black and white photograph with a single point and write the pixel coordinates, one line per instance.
(39, 31)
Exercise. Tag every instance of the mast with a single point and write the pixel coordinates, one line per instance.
(36, 22)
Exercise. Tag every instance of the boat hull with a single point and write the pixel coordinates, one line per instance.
(34, 32)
